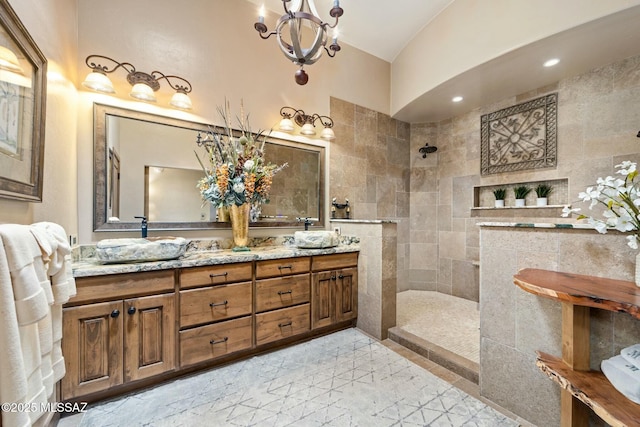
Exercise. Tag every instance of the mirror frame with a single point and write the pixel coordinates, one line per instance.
(11, 187)
(100, 176)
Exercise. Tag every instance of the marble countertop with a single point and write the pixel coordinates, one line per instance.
(91, 267)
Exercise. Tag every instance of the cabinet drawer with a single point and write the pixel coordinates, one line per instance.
(334, 261)
(212, 341)
(282, 292)
(204, 305)
(283, 323)
(122, 285)
(282, 267)
(215, 275)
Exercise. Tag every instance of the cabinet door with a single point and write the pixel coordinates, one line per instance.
(346, 298)
(92, 348)
(149, 343)
(322, 296)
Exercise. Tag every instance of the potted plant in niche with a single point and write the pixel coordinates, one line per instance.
(543, 191)
(520, 193)
(499, 194)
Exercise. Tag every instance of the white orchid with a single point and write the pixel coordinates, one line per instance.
(621, 197)
(567, 211)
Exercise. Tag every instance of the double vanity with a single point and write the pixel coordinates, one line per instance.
(134, 324)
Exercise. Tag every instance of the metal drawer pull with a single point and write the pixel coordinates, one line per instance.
(282, 267)
(218, 275)
(285, 292)
(333, 277)
(341, 277)
(282, 325)
(225, 339)
(213, 304)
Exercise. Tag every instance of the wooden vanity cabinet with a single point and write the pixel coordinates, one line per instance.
(216, 306)
(334, 287)
(282, 298)
(121, 329)
(123, 339)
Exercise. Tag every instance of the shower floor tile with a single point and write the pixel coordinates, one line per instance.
(450, 322)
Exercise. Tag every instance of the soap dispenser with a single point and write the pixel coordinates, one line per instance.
(143, 225)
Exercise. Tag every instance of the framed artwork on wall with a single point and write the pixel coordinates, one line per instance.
(23, 70)
(520, 137)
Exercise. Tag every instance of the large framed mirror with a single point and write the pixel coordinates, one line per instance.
(23, 71)
(144, 164)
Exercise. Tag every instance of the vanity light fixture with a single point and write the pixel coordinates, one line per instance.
(143, 84)
(307, 122)
(299, 15)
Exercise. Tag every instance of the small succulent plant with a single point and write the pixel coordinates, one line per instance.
(521, 191)
(500, 193)
(543, 190)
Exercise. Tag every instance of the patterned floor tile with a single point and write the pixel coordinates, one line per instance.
(344, 379)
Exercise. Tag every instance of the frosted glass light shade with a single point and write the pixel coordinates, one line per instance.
(308, 129)
(286, 125)
(98, 82)
(143, 92)
(327, 133)
(181, 100)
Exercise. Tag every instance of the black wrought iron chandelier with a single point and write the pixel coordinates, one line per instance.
(143, 84)
(289, 33)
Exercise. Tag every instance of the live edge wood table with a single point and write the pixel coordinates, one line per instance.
(580, 385)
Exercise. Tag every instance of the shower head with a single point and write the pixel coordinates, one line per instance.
(427, 149)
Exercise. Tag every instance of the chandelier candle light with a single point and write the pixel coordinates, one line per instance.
(289, 33)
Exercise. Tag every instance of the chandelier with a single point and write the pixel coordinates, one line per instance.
(300, 14)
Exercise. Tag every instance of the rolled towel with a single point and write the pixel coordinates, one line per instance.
(632, 354)
(624, 376)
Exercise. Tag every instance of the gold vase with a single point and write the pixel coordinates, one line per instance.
(240, 226)
(223, 214)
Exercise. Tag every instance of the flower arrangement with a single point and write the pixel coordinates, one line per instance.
(621, 199)
(236, 172)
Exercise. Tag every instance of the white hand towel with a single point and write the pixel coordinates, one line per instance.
(624, 376)
(632, 354)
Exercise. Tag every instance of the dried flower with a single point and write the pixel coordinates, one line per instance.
(236, 172)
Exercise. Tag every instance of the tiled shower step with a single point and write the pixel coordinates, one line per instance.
(443, 357)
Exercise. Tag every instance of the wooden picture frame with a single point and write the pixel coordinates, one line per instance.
(23, 80)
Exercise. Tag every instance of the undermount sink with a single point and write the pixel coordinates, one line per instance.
(140, 249)
(316, 239)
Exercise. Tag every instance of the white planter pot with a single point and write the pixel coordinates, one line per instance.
(499, 203)
(541, 201)
(519, 203)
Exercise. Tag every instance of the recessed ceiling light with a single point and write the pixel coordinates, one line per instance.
(551, 62)
(456, 99)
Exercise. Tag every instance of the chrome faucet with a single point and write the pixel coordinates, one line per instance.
(143, 225)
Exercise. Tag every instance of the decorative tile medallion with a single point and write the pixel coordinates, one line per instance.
(520, 137)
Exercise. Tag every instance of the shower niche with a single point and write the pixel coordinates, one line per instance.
(484, 200)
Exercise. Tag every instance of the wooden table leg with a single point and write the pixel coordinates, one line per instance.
(575, 353)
